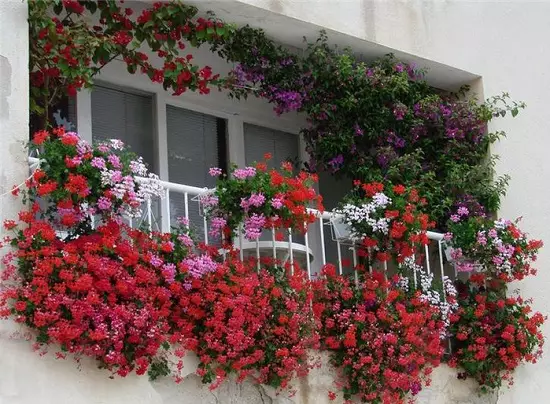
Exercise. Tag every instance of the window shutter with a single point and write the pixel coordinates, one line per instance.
(259, 140)
(125, 116)
(192, 150)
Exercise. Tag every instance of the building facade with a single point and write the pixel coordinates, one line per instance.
(492, 46)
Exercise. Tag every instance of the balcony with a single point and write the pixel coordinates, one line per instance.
(322, 243)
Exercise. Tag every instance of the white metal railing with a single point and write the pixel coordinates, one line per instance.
(312, 250)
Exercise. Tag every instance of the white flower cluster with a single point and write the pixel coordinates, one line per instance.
(366, 214)
(127, 188)
(446, 303)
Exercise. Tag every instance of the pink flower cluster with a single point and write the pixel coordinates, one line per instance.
(253, 226)
(244, 173)
(256, 200)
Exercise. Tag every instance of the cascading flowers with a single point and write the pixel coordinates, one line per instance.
(494, 334)
(383, 338)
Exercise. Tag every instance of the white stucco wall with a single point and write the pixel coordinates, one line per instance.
(503, 42)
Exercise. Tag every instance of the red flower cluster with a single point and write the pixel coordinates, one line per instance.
(106, 295)
(494, 335)
(401, 210)
(385, 341)
(274, 199)
(79, 181)
(253, 323)
(80, 50)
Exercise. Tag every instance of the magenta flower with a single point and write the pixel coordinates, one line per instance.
(215, 171)
(104, 203)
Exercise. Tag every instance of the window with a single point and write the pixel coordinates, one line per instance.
(126, 116)
(196, 142)
(259, 140)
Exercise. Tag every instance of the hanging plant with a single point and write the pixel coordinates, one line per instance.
(494, 334)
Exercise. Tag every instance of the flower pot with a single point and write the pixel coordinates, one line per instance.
(340, 230)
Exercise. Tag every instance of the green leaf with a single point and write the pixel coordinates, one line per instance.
(514, 112)
(58, 8)
(131, 68)
(91, 6)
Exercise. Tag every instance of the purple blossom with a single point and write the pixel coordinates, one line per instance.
(209, 200)
(358, 131)
(116, 177)
(169, 272)
(155, 261)
(463, 211)
(200, 265)
(103, 148)
(256, 200)
(455, 218)
(415, 388)
(114, 160)
(481, 239)
(186, 240)
(182, 221)
(216, 226)
(277, 203)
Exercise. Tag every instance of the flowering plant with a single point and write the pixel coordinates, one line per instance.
(76, 181)
(384, 339)
(412, 134)
(499, 247)
(260, 199)
(109, 294)
(254, 323)
(494, 334)
(67, 52)
(386, 219)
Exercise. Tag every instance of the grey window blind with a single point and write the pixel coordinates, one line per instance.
(126, 116)
(259, 140)
(192, 150)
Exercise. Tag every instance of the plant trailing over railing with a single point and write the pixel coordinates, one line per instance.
(384, 338)
(131, 299)
(502, 249)
(109, 294)
(77, 181)
(268, 199)
(386, 220)
(494, 334)
(121, 296)
(253, 322)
